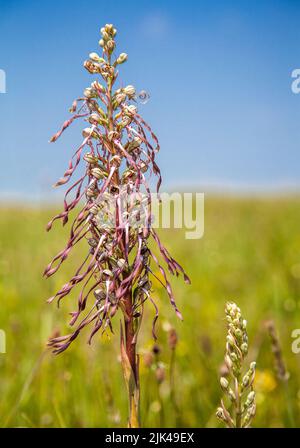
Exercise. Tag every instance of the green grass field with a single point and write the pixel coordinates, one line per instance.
(249, 254)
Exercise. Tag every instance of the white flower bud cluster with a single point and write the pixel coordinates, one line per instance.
(235, 386)
(237, 339)
(121, 95)
(108, 32)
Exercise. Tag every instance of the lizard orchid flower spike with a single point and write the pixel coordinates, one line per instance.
(118, 150)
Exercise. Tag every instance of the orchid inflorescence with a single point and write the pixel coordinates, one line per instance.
(238, 388)
(119, 150)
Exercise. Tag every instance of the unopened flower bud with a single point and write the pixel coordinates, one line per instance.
(230, 340)
(96, 58)
(122, 58)
(121, 263)
(129, 91)
(131, 110)
(95, 118)
(120, 98)
(109, 28)
(115, 160)
(90, 93)
(233, 357)
(100, 294)
(144, 167)
(238, 333)
(92, 67)
(97, 173)
(228, 362)
(250, 399)
(224, 383)
(97, 86)
(220, 414)
(244, 348)
(87, 132)
(94, 210)
(110, 44)
(246, 381)
(105, 35)
(90, 158)
(90, 193)
(253, 365)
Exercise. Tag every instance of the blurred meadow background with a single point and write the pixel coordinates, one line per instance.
(249, 254)
(219, 80)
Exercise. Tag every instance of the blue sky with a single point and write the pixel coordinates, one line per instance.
(219, 76)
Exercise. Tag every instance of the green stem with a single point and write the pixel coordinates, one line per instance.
(238, 405)
(130, 347)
